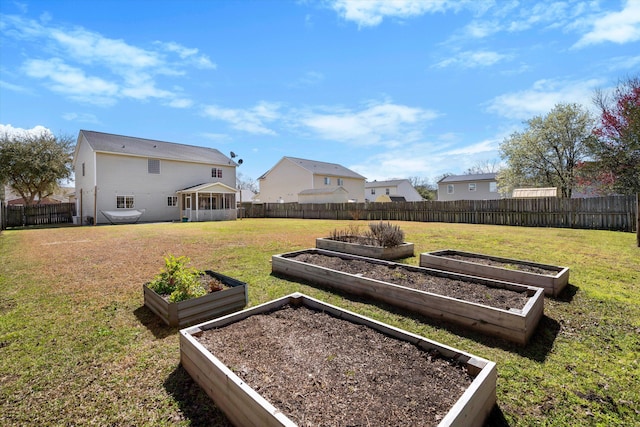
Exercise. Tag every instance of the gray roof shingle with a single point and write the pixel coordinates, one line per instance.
(128, 145)
(465, 178)
(320, 168)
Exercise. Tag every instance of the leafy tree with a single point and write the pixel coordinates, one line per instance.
(426, 190)
(34, 164)
(616, 148)
(548, 151)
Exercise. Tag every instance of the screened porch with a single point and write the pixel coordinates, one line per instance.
(208, 202)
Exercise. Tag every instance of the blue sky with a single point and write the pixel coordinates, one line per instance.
(390, 89)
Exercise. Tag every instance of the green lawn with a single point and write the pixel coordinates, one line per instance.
(77, 346)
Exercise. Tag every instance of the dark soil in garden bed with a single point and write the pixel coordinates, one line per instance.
(323, 371)
(508, 265)
(459, 289)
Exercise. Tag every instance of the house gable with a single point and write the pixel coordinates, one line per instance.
(286, 181)
(146, 173)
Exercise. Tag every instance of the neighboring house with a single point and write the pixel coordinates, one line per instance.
(399, 190)
(468, 187)
(61, 195)
(169, 181)
(529, 193)
(310, 181)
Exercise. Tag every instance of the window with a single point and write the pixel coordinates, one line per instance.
(472, 186)
(124, 202)
(450, 189)
(340, 181)
(216, 173)
(153, 165)
(172, 201)
(82, 168)
(387, 192)
(327, 180)
(373, 191)
(493, 187)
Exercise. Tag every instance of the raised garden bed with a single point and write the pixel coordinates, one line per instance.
(506, 310)
(403, 250)
(212, 305)
(551, 278)
(299, 361)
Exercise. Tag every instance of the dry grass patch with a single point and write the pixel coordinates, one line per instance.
(77, 346)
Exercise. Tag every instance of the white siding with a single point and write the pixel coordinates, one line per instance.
(461, 191)
(284, 182)
(85, 184)
(150, 190)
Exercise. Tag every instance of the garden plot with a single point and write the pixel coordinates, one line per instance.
(299, 361)
(506, 310)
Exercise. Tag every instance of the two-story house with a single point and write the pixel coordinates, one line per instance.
(396, 189)
(468, 187)
(309, 181)
(164, 180)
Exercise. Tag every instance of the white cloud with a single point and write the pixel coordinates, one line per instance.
(471, 59)
(81, 117)
(180, 103)
(251, 120)
(616, 27)
(310, 78)
(378, 124)
(190, 54)
(72, 82)
(542, 97)
(88, 47)
(12, 132)
(12, 87)
(101, 70)
(428, 159)
(486, 146)
(369, 13)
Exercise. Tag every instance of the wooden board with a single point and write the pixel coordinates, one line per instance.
(209, 306)
(513, 325)
(552, 283)
(404, 250)
(245, 407)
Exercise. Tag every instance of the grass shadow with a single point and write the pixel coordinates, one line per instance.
(153, 323)
(195, 405)
(567, 293)
(537, 349)
(496, 418)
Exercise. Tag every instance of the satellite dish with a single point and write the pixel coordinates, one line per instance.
(233, 155)
(239, 161)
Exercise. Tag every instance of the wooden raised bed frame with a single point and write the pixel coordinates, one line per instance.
(513, 325)
(404, 250)
(245, 407)
(552, 283)
(209, 306)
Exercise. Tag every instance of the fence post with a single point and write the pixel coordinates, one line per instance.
(638, 218)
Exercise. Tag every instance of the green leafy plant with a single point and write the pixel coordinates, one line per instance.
(177, 280)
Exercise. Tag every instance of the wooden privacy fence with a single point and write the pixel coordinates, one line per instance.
(601, 213)
(18, 216)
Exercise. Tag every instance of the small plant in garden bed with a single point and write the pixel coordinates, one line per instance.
(383, 234)
(179, 283)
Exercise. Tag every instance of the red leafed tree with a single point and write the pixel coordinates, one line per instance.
(616, 148)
